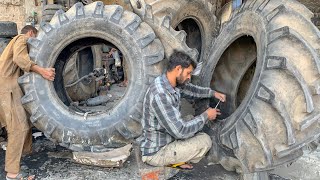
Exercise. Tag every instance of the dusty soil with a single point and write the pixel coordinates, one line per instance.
(50, 161)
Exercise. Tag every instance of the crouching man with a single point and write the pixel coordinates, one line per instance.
(167, 138)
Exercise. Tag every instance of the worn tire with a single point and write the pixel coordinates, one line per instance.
(55, 7)
(314, 6)
(3, 44)
(8, 29)
(81, 64)
(201, 12)
(280, 112)
(49, 11)
(170, 38)
(57, 41)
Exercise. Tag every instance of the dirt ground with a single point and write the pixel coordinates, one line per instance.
(51, 162)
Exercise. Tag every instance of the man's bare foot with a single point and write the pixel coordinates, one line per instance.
(186, 166)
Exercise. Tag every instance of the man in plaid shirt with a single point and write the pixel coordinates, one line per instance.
(167, 138)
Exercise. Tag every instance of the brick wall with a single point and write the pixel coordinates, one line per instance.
(18, 11)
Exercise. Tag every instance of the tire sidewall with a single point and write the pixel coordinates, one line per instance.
(55, 41)
(247, 23)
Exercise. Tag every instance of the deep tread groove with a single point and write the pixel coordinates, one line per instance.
(50, 127)
(268, 96)
(34, 42)
(251, 123)
(133, 26)
(275, 12)
(263, 5)
(63, 19)
(36, 115)
(276, 62)
(80, 13)
(117, 14)
(286, 32)
(46, 27)
(284, 151)
(308, 121)
(29, 97)
(99, 9)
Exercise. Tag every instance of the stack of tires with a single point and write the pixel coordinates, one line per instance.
(7, 31)
(263, 56)
(49, 11)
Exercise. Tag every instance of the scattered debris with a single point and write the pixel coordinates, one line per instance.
(37, 134)
(3, 145)
(113, 158)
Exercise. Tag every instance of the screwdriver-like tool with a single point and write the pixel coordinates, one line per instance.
(217, 104)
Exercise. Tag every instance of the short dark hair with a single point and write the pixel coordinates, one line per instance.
(179, 58)
(28, 28)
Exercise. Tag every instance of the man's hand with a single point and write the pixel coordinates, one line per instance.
(48, 73)
(219, 96)
(212, 113)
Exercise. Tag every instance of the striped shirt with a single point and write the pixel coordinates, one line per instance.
(161, 120)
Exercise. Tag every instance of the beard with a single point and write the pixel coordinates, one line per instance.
(180, 81)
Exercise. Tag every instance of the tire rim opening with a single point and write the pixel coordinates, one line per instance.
(194, 37)
(91, 76)
(234, 73)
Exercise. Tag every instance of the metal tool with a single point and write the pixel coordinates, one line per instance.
(217, 104)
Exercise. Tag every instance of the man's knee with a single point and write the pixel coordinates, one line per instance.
(205, 140)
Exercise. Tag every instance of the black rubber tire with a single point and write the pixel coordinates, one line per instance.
(199, 35)
(3, 43)
(81, 64)
(46, 18)
(49, 11)
(8, 29)
(314, 6)
(58, 41)
(170, 38)
(55, 7)
(279, 114)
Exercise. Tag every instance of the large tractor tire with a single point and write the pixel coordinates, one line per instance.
(80, 64)
(170, 38)
(49, 11)
(83, 26)
(314, 6)
(195, 17)
(3, 44)
(266, 60)
(8, 29)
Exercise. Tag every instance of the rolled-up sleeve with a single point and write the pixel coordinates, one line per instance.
(20, 55)
(193, 91)
(170, 118)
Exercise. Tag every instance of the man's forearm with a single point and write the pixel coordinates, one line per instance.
(194, 91)
(37, 69)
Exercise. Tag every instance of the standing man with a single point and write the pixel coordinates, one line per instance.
(13, 61)
(167, 138)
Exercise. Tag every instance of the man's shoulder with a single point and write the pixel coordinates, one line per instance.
(157, 86)
(20, 39)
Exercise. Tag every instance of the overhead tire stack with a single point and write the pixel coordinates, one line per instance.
(49, 11)
(279, 114)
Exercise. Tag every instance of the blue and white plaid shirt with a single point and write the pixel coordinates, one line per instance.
(161, 120)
